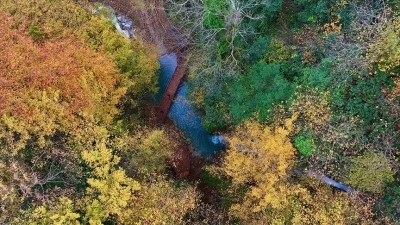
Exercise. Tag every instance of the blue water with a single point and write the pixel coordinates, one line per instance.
(330, 181)
(168, 64)
(337, 184)
(183, 113)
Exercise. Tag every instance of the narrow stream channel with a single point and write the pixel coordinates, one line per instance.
(182, 112)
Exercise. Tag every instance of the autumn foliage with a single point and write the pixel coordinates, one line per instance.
(261, 156)
(304, 95)
(51, 86)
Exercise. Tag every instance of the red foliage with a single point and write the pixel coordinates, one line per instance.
(84, 79)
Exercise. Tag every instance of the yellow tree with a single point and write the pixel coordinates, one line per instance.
(370, 172)
(162, 202)
(258, 160)
(58, 213)
(135, 61)
(260, 155)
(385, 51)
(324, 205)
(50, 93)
(146, 152)
(110, 191)
(313, 108)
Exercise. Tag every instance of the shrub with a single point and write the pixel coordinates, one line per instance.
(370, 172)
(304, 145)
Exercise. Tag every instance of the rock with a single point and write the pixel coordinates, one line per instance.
(126, 25)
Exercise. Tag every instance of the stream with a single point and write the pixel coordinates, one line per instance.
(183, 113)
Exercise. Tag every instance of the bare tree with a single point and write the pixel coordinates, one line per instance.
(191, 14)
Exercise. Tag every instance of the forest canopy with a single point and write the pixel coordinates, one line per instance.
(303, 94)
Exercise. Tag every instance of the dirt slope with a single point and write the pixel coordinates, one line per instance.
(151, 21)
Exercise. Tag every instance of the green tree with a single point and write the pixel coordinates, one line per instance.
(305, 145)
(389, 204)
(214, 14)
(257, 92)
(313, 11)
(366, 98)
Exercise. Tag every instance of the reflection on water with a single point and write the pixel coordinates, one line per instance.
(184, 114)
(168, 64)
(189, 121)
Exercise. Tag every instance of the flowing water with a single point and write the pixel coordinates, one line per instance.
(168, 64)
(184, 114)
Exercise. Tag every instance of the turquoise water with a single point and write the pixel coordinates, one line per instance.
(183, 113)
(168, 64)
